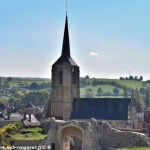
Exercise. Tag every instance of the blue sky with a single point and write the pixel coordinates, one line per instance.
(107, 37)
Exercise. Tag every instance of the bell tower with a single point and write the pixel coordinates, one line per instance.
(65, 81)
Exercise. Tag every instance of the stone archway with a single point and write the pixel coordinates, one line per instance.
(70, 131)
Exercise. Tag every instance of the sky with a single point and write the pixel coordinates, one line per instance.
(108, 38)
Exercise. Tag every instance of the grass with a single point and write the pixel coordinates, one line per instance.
(105, 88)
(16, 131)
(109, 89)
(28, 136)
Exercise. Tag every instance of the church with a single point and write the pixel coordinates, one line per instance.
(65, 102)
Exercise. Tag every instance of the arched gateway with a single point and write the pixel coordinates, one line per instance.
(72, 135)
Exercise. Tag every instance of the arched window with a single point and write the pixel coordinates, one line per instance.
(60, 77)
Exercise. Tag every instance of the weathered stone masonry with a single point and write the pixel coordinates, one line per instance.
(95, 135)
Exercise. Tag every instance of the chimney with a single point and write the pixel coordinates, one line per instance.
(24, 118)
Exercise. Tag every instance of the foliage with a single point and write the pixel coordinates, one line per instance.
(136, 78)
(14, 102)
(37, 98)
(115, 91)
(0, 81)
(2, 92)
(99, 91)
(36, 86)
(9, 79)
(29, 134)
(89, 93)
(142, 91)
(16, 131)
(18, 90)
(9, 129)
(31, 130)
(84, 82)
(147, 98)
(87, 77)
(95, 82)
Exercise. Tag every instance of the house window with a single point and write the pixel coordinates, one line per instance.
(60, 77)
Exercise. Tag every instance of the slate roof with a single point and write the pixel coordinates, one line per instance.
(30, 105)
(100, 108)
(2, 115)
(65, 56)
(63, 60)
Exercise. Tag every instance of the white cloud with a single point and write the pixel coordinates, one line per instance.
(93, 54)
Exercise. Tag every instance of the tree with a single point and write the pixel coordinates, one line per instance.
(16, 103)
(116, 91)
(87, 77)
(9, 79)
(94, 82)
(34, 86)
(83, 82)
(141, 78)
(147, 98)
(136, 78)
(89, 93)
(11, 102)
(99, 91)
(131, 78)
(6, 83)
(37, 98)
(13, 90)
(0, 81)
(142, 91)
(137, 95)
(2, 92)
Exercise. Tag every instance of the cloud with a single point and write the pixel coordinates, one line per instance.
(93, 54)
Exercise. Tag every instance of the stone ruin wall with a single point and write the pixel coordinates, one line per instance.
(96, 135)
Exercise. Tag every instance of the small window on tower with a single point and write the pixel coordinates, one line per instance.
(60, 77)
(73, 77)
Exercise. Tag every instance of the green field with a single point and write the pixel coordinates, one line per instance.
(109, 88)
(14, 90)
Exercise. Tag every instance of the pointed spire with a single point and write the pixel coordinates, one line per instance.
(66, 44)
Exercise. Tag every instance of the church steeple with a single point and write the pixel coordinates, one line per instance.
(66, 43)
(65, 82)
(65, 54)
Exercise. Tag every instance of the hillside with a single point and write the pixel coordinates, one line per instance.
(108, 87)
(19, 90)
